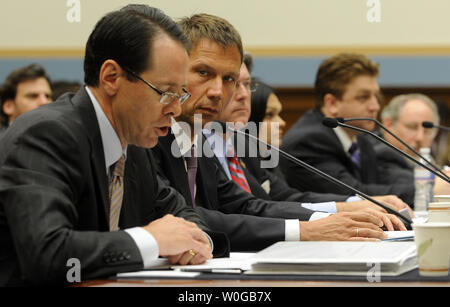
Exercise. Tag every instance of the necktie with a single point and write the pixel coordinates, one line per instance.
(191, 164)
(116, 193)
(354, 154)
(237, 174)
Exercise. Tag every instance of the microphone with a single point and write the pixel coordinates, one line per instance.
(431, 125)
(344, 120)
(333, 123)
(405, 219)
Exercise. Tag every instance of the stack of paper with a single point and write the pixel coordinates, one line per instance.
(336, 258)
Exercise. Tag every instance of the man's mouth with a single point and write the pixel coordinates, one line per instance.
(209, 111)
(162, 131)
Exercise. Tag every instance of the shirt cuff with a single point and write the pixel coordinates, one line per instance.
(318, 215)
(329, 207)
(210, 241)
(146, 244)
(292, 230)
(353, 198)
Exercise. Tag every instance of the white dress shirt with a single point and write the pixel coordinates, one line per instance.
(146, 243)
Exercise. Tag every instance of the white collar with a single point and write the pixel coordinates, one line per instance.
(112, 147)
(182, 134)
(343, 137)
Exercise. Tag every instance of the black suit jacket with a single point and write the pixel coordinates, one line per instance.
(393, 167)
(54, 197)
(250, 223)
(319, 146)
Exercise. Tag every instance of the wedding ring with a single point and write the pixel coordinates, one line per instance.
(357, 231)
(192, 253)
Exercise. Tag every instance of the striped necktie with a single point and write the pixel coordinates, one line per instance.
(237, 173)
(116, 194)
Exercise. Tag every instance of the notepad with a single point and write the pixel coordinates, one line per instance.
(335, 258)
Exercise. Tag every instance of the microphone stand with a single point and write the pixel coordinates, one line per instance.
(445, 178)
(326, 176)
(437, 169)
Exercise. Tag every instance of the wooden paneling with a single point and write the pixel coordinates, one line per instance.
(296, 101)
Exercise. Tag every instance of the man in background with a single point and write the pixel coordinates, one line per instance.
(25, 89)
(346, 86)
(404, 116)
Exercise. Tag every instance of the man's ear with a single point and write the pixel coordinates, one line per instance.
(330, 107)
(9, 107)
(110, 77)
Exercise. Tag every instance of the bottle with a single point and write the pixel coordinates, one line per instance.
(423, 183)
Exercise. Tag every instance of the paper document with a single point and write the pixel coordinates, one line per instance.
(157, 273)
(407, 235)
(335, 258)
(236, 263)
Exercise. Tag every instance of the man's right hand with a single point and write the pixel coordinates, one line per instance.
(180, 241)
(344, 226)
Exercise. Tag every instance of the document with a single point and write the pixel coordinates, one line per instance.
(235, 264)
(335, 258)
(407, 235)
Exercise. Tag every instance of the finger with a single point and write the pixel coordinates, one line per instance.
(198, 259)
(371, 233)
(397, 223)
(384, 218)
(174, 258)
(387, 222)
(186, 257)
(367, 218)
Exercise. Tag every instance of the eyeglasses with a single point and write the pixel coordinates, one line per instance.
(166, 97)
(413, 128)
(248, 85)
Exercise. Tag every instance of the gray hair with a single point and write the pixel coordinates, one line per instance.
(395, 106)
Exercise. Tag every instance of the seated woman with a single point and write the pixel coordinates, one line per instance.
(265, 109)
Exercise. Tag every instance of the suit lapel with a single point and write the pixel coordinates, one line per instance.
(367, 156)
(179, 179)
(89, 119)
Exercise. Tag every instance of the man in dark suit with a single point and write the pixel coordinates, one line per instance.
(250, 223)
(56, 162)
(404, 115)
(346, 86)
(265, 184)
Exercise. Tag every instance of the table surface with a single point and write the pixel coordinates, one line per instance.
(251, 283)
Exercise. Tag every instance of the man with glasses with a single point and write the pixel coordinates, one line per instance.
(187, 163)
(404, 116)
(262, 183)
(74, 182)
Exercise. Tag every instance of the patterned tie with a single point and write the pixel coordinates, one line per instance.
(116, 194)
(354, 153)
(237, 174)
(191, 164)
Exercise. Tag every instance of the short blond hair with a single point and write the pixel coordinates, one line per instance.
(212, 27)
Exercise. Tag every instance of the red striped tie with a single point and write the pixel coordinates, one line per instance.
(237, 174)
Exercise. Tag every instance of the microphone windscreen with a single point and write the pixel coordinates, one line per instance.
(427, 125)
(330, 122)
